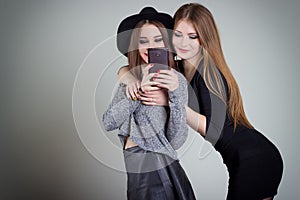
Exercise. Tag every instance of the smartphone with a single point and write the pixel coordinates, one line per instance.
(159, 57)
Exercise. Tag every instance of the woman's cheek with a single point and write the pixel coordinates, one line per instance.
(175, 42)
(162, 44)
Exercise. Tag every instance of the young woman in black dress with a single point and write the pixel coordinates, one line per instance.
(254, 164)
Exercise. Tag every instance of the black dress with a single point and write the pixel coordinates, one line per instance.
(254, 164)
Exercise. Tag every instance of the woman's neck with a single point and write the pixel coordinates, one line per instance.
(190, 66)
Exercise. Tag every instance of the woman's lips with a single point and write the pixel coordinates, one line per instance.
(183, 50)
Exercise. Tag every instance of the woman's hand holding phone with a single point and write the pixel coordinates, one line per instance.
(167, 79)
(148, 82)
(155, 92)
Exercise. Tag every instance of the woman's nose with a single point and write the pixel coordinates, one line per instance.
(152, 44)
(184, 41)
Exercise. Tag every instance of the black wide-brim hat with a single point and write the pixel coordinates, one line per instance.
(127, 25)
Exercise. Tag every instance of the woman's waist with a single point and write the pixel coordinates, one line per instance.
(140, 160)
(128, 143)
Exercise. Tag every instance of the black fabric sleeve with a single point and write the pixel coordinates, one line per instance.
(211, 106)
(204, 100)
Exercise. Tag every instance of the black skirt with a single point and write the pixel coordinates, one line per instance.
(153, 176)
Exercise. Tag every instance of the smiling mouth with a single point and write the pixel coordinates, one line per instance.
(183, 50)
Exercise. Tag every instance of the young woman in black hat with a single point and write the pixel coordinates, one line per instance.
(150, 134)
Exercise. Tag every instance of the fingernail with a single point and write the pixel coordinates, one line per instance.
(158, 71)
(134, 98)
(155, 74)
(154, 79)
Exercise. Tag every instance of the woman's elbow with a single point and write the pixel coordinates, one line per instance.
(108, 124)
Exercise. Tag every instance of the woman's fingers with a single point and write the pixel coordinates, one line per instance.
(167, 79)
(168, 72)
(148, 77)
(152, 93)
(167, 75)
(136, 89)
(132, 90)
(155, 97)
(147, 83)
(147, 99)
(149, 87)
(138, 85)
(130, 93)
(149, 103)
(146, 69)
(127, 93)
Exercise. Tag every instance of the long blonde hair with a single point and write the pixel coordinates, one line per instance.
(202, 20)
(134, 57)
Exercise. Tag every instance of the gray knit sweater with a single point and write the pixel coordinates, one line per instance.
(153, 128)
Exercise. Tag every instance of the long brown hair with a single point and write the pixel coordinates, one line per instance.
(202, 20)
(134, 57)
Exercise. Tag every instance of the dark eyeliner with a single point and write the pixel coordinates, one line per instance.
(194, 37)
(143, 41)
(158, 40)
(177, 34)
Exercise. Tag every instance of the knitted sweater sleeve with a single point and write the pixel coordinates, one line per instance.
(119, 110)
(177, 130)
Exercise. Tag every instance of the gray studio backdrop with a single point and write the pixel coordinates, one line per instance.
(58, 69)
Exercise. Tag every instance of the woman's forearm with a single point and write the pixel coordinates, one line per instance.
(196, 121)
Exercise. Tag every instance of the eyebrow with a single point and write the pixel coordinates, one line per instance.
(157, 36)
(188, 33)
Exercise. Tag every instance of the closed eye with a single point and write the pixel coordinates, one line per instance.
(193, 37)
(177, 34)
(158, 40)
(143, 41)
